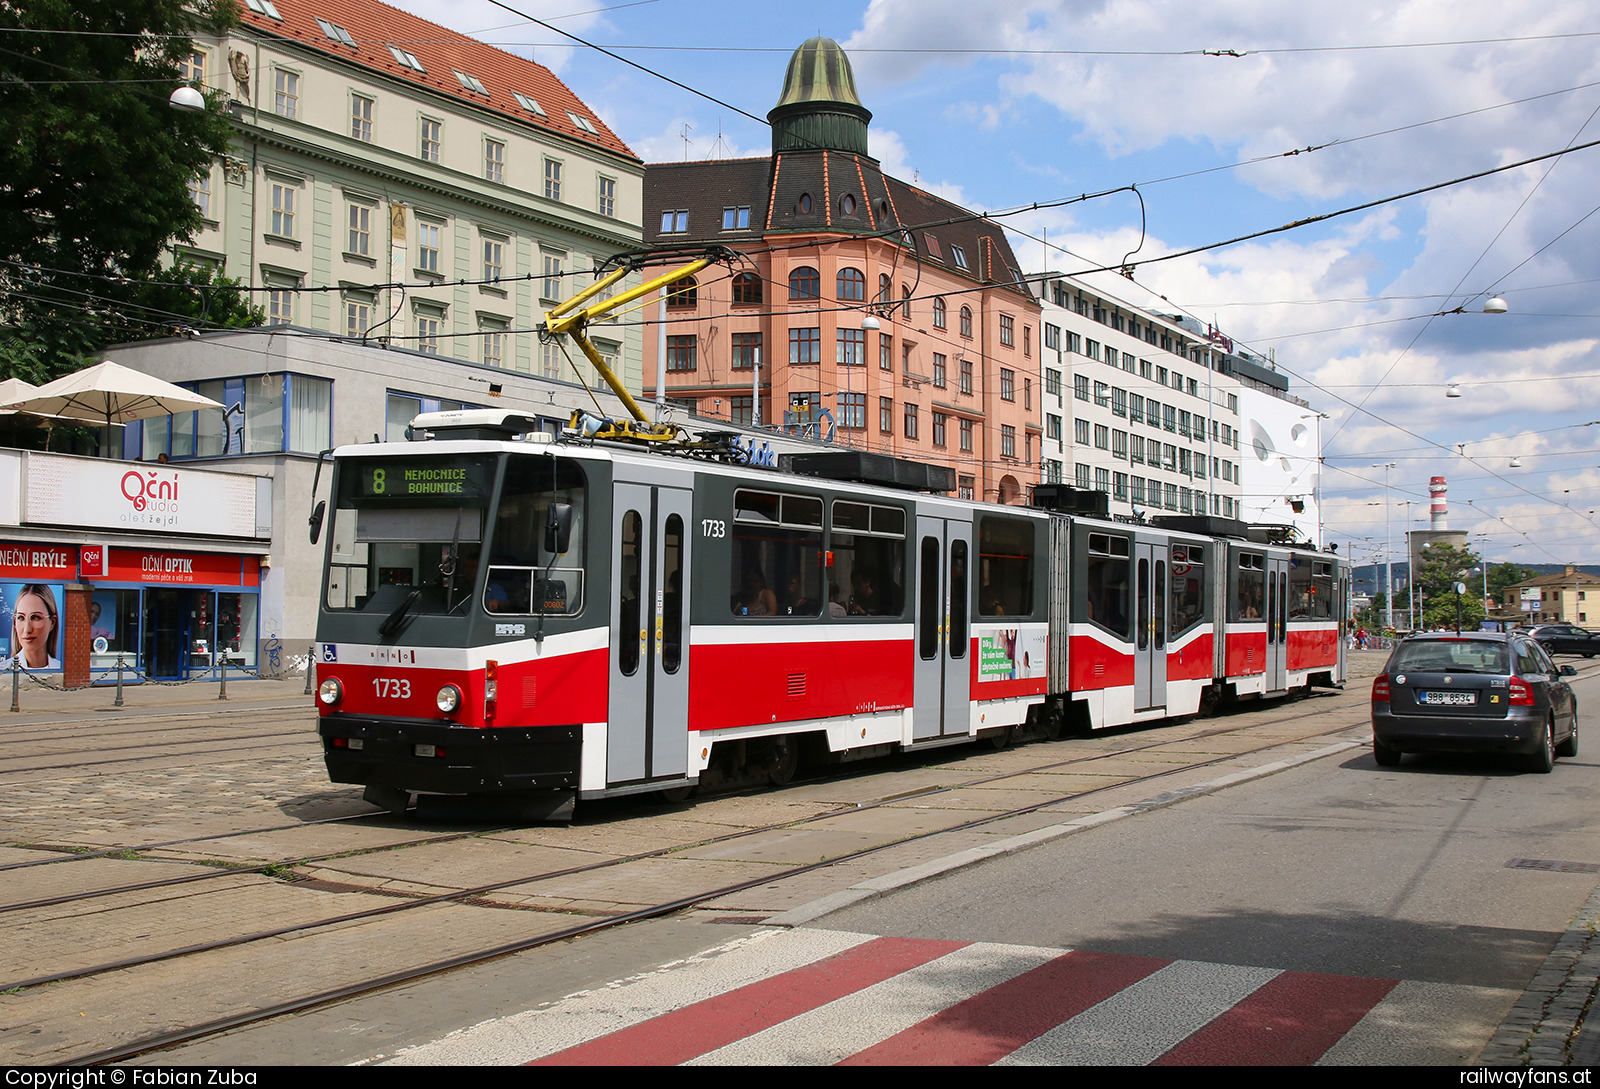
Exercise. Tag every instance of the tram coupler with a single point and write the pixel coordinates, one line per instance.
(395, 800)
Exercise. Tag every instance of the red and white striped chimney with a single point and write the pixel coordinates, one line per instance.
(1439, 513)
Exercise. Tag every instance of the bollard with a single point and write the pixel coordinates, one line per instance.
(222, 689)
(311, 669)
(16, 683)
(118, 702)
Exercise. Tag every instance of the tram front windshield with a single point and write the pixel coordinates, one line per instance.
(405, 526)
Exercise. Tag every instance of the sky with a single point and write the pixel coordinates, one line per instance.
(1230, 117)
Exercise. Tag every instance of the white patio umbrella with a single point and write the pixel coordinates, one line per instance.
(15, 389)
(108, 394)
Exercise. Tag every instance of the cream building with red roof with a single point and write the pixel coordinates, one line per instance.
(391, 179)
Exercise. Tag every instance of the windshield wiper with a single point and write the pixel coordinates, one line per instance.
(392, 622)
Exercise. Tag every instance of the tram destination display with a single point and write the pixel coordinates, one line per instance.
(428, 479)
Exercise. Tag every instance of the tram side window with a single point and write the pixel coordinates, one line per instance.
(1187, 577)
(523, 578)
(868, 576)
(1299, 588)
(1005, 566)
(1321, 590)
(1106, 583)
(777, 552)
(1250, 589)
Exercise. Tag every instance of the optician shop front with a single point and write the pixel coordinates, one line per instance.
(169, 604)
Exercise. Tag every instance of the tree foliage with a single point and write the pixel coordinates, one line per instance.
(1442, 567)
(94, 175)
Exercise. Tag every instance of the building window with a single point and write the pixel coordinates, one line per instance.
(285, 93)
(361, 118)
(1052, 382)
(938, 313)
(805, 345)
(431, 133)
(1102, 437)
(606, 204)
(805, 283)
(736, 219)
(1119, 402)
(681, 353)
(1008, 384)
(428, 245)
(885, 352)
(1080, 431)
(428, 334)
(1027, 340)
(911, 420)
(1008, 330)
(853, 411)
(357, 317)
(1008, 441)
(359, 239)
(283, 202)
(905, 302)
(550, 288)
(938, 370)
(966, 486)
(200, 191)
(192, 69)
(494, 160)
(281, 291)
(886, 415)
(1102, 480)
(493, 259)
(966, 440)
(1119, 445)
(746, 351)
(1081, 475)
(1052, 427)
(741, 411)
(959, 255)
(746, 288)
(852, 348)
(494, 346)
(1102, 395)
(684, 293)
(939, 419)
(674, 221)
(1080, 386)
(552, 179)
(885, 289)
(852, 285)
(966, 322)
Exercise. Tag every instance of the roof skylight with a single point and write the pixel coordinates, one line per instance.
(407, 59)
(336, 33)
(264, 7)
(528, 104)
(583, 123)
(471, 83)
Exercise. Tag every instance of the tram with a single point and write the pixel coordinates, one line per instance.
(511, 615)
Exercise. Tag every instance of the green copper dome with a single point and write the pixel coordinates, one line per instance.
(819, 109)
(819, 72)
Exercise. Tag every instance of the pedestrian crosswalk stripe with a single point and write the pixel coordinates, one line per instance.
(818, 997)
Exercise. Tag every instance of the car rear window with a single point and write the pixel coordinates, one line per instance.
(1452, 656)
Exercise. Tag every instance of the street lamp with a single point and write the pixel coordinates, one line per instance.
(1388, 548)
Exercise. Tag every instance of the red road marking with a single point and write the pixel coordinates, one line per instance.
(1290, 1021)
(991, 1025)
(692, 1031)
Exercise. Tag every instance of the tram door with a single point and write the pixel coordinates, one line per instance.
(1277, 679)
(1150, 638)
(647, 735)
(943, 687)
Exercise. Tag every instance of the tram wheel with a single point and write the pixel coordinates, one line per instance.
(675, 795)
(785, 755)
(1208, 701)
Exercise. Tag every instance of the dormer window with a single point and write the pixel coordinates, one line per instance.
(805, 204)
(933, 246)
(583, 123)
(847, 205)
(674, 221)
(528, 104)
(471, 83)
(336, 33)
(958, 255)
(407, 59)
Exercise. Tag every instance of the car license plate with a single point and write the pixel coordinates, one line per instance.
(1449, 699)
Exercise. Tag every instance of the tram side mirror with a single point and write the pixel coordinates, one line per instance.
(558, 529)
(316, 519)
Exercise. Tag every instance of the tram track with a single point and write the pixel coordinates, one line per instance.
(366, 986)
(289, 863)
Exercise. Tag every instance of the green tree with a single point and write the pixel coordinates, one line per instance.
(1503, 576)
(94, 174)
(1442, 567)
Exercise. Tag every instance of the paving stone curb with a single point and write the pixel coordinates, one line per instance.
(1547, 1026)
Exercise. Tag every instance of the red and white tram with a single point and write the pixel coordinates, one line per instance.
(545, 621)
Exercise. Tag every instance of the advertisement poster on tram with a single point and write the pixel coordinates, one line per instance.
(1010, 655)
(31, 612)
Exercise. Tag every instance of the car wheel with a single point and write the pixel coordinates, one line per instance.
(1385, 756)
(1569, 747)
(1545, 758)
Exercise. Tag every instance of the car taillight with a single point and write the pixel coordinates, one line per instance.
(1380, 688)
(1521, 693)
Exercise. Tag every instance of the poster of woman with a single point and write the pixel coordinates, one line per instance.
(32, 611)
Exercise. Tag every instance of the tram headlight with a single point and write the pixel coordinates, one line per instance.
(330, 692)
(448, 699)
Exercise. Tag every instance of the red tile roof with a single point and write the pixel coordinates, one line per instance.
(375, 26)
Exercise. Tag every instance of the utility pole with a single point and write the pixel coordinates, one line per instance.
(1388, 548)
